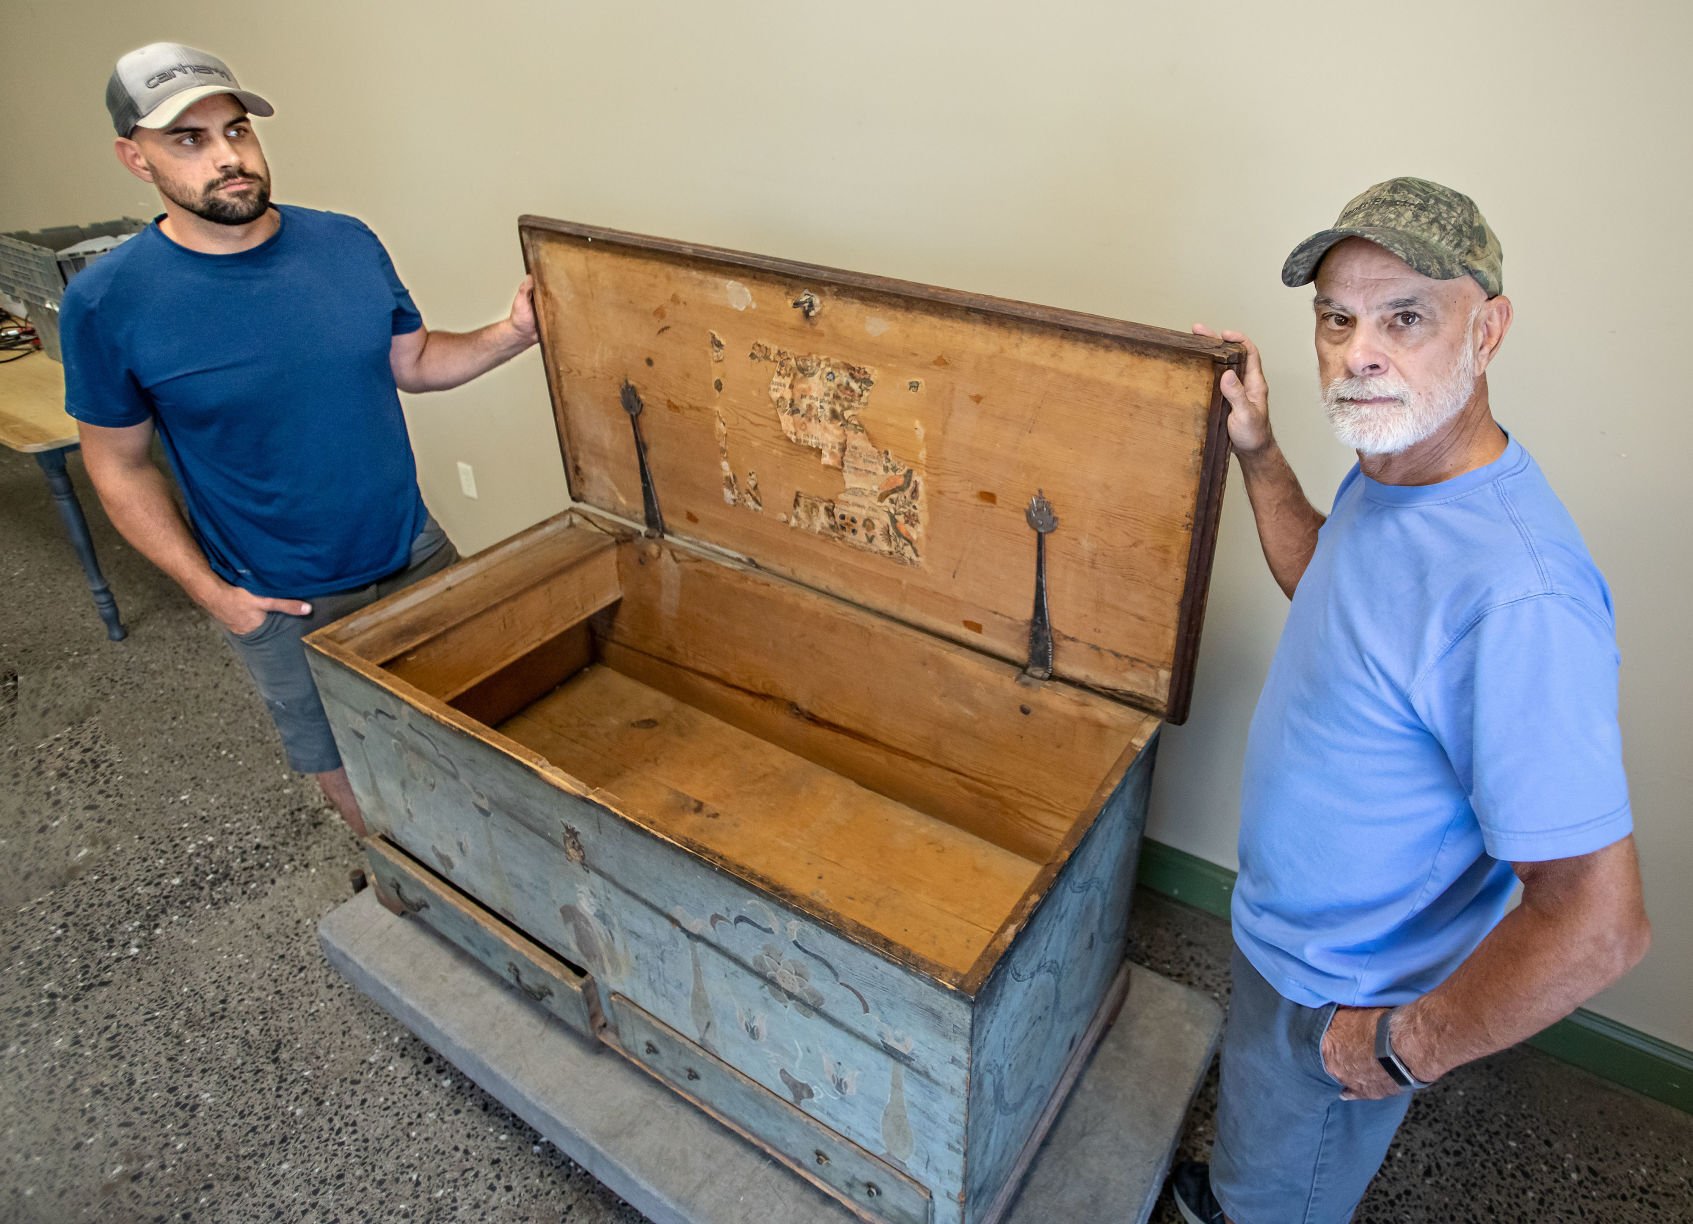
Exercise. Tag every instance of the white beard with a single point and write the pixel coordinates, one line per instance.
(1388, 429)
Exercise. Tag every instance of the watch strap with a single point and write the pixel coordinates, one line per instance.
(1389, 1060)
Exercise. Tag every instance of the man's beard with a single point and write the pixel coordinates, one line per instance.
(225, 210)
(1388, 429)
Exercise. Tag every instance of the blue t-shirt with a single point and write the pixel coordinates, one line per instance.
(266, 375)
(1443, 703)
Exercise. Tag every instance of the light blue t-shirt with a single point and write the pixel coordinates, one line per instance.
(1443, 703)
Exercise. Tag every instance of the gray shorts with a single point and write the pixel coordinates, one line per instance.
(276, 658)
(1288, 1148)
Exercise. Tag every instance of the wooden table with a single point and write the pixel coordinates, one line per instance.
(33, 421)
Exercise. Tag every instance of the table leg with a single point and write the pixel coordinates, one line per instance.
(76, 526)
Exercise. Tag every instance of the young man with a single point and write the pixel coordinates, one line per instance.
(1439, 723)
(264, 344)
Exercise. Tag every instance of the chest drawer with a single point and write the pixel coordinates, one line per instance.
(812, 1150)
(560, 988)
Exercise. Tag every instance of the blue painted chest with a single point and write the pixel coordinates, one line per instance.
(803, 758)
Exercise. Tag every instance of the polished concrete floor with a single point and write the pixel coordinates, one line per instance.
(175, 1047)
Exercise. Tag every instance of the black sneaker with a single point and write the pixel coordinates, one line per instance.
(1190, 1187)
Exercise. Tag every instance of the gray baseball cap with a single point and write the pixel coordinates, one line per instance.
(154, 84)
(1437, 231)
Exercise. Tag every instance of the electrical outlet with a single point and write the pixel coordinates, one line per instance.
(467, 479)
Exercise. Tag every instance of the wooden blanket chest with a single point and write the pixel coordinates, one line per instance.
(803, 759)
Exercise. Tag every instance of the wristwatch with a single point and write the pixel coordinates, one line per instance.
(1391, 1062)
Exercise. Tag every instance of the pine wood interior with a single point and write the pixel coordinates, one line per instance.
(919, 881)
(854, 764)
(961, 407)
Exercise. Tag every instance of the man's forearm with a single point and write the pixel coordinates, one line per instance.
(1548, 956)
(139, 503)
(1287, 521)
(450, 359)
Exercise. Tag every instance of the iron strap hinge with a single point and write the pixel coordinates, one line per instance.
(649, 494)
(1044, 522)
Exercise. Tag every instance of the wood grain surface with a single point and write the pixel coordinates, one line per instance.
(963, 408)
(32, 406)
(917, 880)
(944, 729)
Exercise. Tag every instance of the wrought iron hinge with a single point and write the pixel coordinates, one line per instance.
(649, 494)
(1044, 522)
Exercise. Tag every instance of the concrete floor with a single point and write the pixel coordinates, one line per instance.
(175, 1047)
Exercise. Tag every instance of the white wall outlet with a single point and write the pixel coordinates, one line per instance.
(467, 479)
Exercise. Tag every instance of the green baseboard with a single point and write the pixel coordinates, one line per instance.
(1186, 877)
(1622, 1055)
(1609, 1050)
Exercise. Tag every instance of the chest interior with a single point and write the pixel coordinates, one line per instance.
(908, 788)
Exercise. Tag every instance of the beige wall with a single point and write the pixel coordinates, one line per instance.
(1153, 162)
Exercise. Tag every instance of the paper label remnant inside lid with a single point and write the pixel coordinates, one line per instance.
(818, 402)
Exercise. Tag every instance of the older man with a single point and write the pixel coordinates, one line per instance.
(264, 345)
(1439, 723)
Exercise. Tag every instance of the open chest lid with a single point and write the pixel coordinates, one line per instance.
(942, 458)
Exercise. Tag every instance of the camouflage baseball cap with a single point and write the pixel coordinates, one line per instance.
(1438, 231)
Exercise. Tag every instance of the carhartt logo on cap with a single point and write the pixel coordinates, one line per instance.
(154, 84)
(1437, 231)
(159, 78)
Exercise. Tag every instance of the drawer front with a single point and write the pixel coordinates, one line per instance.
(869, 1186)
(557, 987)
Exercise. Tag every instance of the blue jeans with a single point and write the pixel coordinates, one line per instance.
(1289, 1150)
